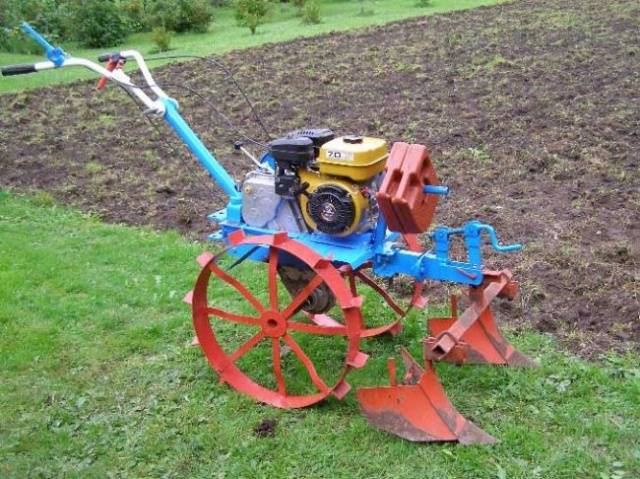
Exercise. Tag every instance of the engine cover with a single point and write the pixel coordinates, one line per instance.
(332, 209)
(331, 205)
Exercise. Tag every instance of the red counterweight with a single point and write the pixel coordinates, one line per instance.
(402, 200)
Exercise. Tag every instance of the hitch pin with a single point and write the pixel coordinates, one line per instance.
(468, 274)
(436, 190)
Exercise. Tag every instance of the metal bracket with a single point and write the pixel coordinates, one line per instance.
(472, 234)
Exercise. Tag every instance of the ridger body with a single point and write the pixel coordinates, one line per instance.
(323, 218)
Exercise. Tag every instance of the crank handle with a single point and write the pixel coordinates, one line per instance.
(480, 227)
(114, 62)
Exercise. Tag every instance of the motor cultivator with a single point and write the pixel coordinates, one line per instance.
(321, 219)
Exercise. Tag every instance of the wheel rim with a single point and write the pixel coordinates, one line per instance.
(273, 321)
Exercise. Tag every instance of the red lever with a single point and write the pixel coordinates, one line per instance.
(112, 65)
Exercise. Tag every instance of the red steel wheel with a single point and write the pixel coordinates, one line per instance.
(274, 322)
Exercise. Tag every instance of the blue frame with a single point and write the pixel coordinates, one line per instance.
(206, 159)
(381, 248)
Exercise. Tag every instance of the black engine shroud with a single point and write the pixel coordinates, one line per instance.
(332, 209)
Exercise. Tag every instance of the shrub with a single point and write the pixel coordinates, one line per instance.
(48, 16)
(311, 13)
(98, 23)
(194, 15)
(136, 14)
(161, 37)
(251, 13)
(13, 41)
(182, 15)
(162, 13)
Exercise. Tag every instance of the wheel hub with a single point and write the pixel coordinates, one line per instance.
(273, 324)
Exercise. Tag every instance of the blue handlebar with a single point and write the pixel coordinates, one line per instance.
(54, 54)
(169, 111)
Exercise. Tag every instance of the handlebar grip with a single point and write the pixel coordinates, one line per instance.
(105, 57)
(18, 69)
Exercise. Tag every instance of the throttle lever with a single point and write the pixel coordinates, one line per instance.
(115, 61)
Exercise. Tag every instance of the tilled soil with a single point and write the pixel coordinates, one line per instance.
(531, 110)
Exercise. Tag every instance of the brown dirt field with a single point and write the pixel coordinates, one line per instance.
(531, 110)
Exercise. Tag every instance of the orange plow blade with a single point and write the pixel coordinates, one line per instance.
(418, 409)
(474, 337)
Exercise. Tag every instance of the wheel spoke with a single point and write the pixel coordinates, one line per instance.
(273, 278)
(242, 350)
(227, 278)
(323, 320)
(316, 329)
(352, 283)
(381, 291)
(302, 296)
(277, 367)
(236, 318)
(304, 359)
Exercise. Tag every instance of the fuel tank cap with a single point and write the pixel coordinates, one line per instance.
(353, 139)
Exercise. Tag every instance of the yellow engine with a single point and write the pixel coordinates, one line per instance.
(337, 200)
(333, 180)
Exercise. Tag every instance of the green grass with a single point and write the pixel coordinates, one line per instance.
(225, 35)
(96, 381)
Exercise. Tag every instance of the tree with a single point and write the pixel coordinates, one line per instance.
(98, 23)
(181, 15)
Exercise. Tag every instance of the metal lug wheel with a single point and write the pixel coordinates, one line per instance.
(254, 333)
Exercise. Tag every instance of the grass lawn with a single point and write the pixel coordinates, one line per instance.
(96, 381)
(224, 35)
